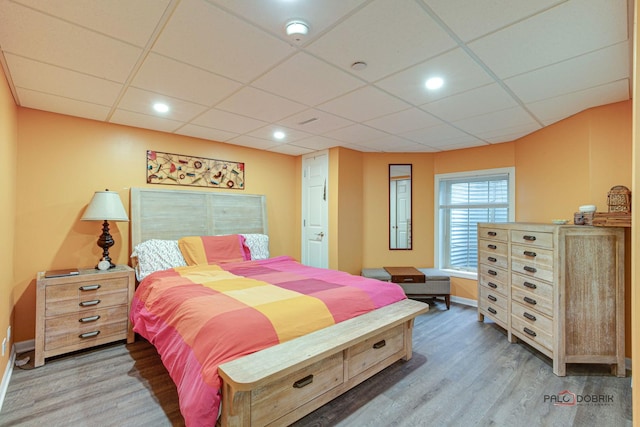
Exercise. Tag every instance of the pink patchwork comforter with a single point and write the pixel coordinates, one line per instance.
(202, 316)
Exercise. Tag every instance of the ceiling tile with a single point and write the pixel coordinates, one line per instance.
(37, 76)
(604, 65)
(570, 29)
(471, 103)
(131, 118)
(291, 135)
(252, 142)
(434, 135)
(459, 71)
(403, 121)
(197, 32)
(355, 134)
(315, 121)
(58, 104)
(141, 101)
(553, 109)
(291, 150)
(176, 79)
(205, 133)
(260, 105)
(317, 143)
(37, 36)
(515, 116)
(130, 21)
(364, 104)
(471, 19)
(375, 33)
(307, 80)
(230, 122)
(508, 133)
(394, 144)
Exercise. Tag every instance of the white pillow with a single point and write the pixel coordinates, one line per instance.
(258, 245)
(155, 255)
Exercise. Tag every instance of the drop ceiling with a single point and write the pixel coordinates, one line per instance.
(230, 73)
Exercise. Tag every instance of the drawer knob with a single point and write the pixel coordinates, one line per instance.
(89, 319)
(89, 303)
(529, 238)
(530, 332)
(492, 310)
(492, 246)
(493, 273)
(492, 259)
(530, 285)
(529, 316)
(530, 269)
(379, 344)
(530, 254)
(492, 298)
(530, 300)
(90, 287)
(303, 382)
(492, 285)
(89, 334)
(492, 233)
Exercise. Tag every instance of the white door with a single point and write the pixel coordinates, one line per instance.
(315, 210)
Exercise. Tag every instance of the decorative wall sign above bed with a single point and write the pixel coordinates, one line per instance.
(178, 169)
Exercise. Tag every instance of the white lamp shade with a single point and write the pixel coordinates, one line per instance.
(105, 205)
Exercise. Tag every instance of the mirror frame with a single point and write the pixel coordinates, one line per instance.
(410, 231)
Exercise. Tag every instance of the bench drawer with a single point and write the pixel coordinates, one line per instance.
(371, 351)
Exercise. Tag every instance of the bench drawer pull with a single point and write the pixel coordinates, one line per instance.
(379, 344)
(89, 319)
(89, 334)
(303, 382)
(90, 287)
(89, 303)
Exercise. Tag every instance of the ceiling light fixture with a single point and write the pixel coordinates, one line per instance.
(279, 134)
(359, 65)
(160, 107)
(297, 30)
(434, 83)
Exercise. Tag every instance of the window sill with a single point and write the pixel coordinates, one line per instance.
(462, 274)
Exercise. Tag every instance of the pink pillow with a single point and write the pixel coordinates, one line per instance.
(214, 249)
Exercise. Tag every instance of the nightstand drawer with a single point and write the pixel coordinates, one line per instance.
(84, 302)
(63, 331)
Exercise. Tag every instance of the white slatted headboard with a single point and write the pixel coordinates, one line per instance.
(172, 214)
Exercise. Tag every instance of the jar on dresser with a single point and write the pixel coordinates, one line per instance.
(82, 311)
(558, 288)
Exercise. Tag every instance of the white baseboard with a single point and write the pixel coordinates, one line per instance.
(24, 346)
(7, 375)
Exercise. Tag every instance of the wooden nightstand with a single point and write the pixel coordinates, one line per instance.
(82, 311)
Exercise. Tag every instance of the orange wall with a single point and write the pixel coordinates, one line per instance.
(8, 156)
(63, 160)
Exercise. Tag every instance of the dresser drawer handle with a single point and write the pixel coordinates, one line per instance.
(530, 254)
(492, 285)
(89, 303)
(530, 285)
(530, 332)
(492, 259)
(90, 287)
(492, 233)
(530, 269)
(529, 238)
(492, 246)
(530, 300)
(89, 334)
(303, 382)
(493, 273)
(89, 319)
(492, 310)
(379, 344)
(529, 316)
(492, 298)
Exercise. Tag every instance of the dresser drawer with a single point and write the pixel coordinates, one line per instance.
(532, 238)
(280, 397)
(493, 259)
(532, 301)
(532, 270)
(500, 248)
(493, 298)
(532, 317)
(374, 350)
(525, 330)
(536, 257)
(488, 308)
(68, 330)
(492, 273)
(491, 233)
(537, 288)
(493, 285)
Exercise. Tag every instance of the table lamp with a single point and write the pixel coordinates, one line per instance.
(105, 206)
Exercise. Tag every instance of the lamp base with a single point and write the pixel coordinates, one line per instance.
(105, 241)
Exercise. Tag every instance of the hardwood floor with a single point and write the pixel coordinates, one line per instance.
(463, 373)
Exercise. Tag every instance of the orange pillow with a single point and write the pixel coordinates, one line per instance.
(214, 249)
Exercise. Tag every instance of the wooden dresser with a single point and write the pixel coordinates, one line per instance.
(77, 312)
(558, 288)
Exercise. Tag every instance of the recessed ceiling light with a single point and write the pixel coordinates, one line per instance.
(278, 134)
(297, 30)
(359, 65)
(161, 107)
(434, 83)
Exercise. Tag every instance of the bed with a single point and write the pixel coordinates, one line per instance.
(281, 368)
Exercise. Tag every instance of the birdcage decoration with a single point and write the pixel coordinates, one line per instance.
(619, 199)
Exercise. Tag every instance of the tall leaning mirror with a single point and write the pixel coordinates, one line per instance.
(400, 191)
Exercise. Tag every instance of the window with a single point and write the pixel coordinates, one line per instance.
(462, 201)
